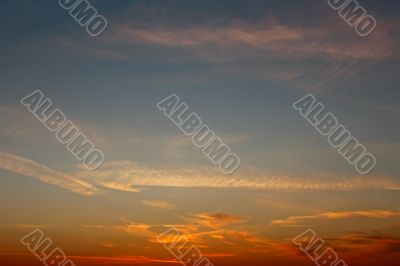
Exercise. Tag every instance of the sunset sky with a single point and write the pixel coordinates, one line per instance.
(240, 65)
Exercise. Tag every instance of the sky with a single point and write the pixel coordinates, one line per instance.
(239, 65)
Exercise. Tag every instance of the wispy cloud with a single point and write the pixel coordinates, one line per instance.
(217, 219)
(122, 260)
(267, 35)
(132, 175)
(27, 167)
(129, 176)
(136, 229)
(298, 220)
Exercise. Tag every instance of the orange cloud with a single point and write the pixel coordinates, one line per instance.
(296, 220)
(123, 259)
(217, 219)
(136, 229)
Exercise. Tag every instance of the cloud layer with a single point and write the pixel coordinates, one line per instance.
(130, 176)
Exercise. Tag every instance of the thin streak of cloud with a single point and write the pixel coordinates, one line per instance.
(116, 259)
(27, 167)
(296, 220)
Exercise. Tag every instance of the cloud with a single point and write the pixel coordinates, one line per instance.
(130, 175)
(376, 214)
(116, 186)
(327, 39)
(32, 226)
(136, 229)
(27, 167)
(158, 204)
(233, 239)
(109, 244)
(122, 260)
(216, 219)
(366, 243)
(244, 34)
(202, 229)
(239, 48)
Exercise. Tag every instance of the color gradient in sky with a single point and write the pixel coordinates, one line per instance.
(240, 66)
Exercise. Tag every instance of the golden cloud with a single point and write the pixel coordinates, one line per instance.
(297, 220)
